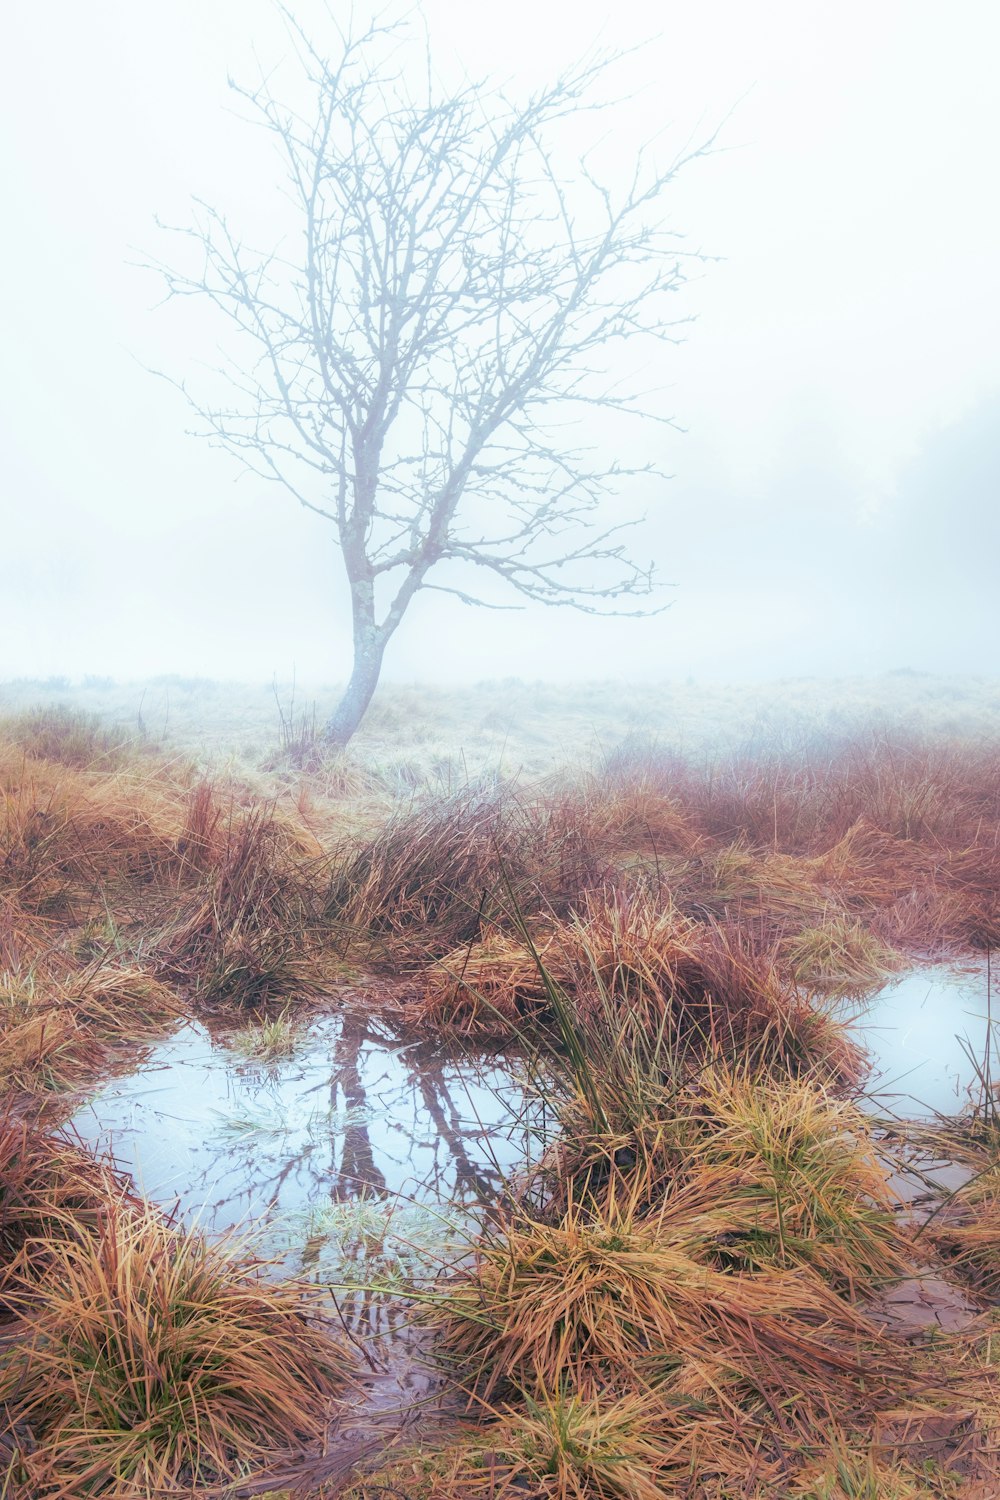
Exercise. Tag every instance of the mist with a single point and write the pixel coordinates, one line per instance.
(833, 505)
(528, 1051)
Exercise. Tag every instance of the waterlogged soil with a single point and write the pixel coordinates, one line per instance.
(927, 1033)
(354, 1125)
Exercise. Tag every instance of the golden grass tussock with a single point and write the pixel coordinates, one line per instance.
(150, 1361)
(50, 1189)
(710, 983)
(806, 1167)
(574, 1448)
(424, 883)
(632, 1365)
(968, 1239)
(971, 876)
(615, 1303)
(580, 836)
(965, 1228)
(23, 936)
(43, 1051)
(839, 956)
(488, 987)
(633, 946)
(57, 1029)
(793, 1172)
(568, 1446)
(66, 833)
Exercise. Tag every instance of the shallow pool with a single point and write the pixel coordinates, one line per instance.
(923, 1031)
(355, 1152)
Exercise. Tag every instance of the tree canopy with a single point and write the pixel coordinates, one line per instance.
(415, 362)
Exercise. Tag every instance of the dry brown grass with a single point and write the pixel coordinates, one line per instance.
(243, 934)
(59, 1027)
(672, 1307)
(151, 1361)
(741, 1367)
(804, 1167)
(713, 984)
(50, 1189)
(427, 879)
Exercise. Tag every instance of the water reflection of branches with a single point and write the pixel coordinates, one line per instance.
(352, 1117)
(423, 1109)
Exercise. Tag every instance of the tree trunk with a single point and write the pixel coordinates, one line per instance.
(368, 653)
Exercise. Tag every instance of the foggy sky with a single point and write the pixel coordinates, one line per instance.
(835, 495)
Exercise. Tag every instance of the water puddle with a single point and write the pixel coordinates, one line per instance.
(357, 1158)
(923, 1032)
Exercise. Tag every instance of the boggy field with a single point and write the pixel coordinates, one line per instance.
(710, 1274)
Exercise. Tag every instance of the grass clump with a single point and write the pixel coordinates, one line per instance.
(806, 1167)
(629, 961)
(50, 1189)
(268, 1040)
(619, 1295)
(840, 957)
(244, 936)
(71, 737)
(562, 1447)
(152, 1361)
(425, 882)
(43, 1051)
(57, 1032)
(965, 1229)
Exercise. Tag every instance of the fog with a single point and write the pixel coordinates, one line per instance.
(833, 506)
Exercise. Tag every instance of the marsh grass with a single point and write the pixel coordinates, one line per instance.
(243, 937)
(271, 1039)
(573, 1446)
(58, 1031)
(72, 737)
(627, 961)
(807, 1167)
(965, 1227)
(154, 1361)
(671, 1303)
(621, 1294)
(691, 1251)
(424, 882)
(965, 1230)
(51, 1189)
(840, 957)
(45, 1051)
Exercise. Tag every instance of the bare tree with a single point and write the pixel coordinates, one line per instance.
(421, 359)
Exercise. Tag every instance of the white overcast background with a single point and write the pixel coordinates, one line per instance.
(834, 505)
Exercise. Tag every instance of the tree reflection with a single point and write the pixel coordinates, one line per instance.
(351, 1118)
(357, 1174)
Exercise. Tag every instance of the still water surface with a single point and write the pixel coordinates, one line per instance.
(356, 1157)
(360, 1147)
(923, 1031)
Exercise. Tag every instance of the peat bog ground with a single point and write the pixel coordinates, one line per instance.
(624, 1131)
